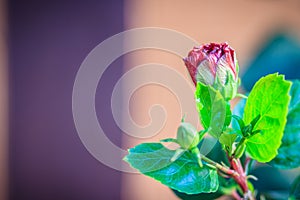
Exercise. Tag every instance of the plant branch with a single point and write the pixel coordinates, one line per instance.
(235, 195)
(236, 171)
(242, 179)
(222, 168)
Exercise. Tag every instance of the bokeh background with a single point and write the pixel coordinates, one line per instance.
(42, 45)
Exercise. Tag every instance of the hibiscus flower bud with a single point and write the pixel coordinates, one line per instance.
(187, 136)
(216, 65)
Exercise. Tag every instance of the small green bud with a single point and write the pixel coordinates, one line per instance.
(187, 136)
(239, 152)
(196, 152)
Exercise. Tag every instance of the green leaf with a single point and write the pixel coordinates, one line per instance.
(269, 98)
(228, 115)
(169, 140)
(184, 174)
(215, 153)
(289, 151)
(224, 184)
(202, 196)
(295, 189)
(227, 139)
(212, 109)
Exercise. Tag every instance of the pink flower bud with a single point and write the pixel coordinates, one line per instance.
(209, 61)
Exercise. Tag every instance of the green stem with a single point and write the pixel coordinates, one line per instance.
(239, 146)
(241, 95)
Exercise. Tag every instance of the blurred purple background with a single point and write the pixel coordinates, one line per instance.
(48, 40)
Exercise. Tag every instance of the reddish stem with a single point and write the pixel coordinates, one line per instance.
(235, 195)
(242, 178)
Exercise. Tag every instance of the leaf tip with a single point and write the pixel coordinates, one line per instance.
(125, 159)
